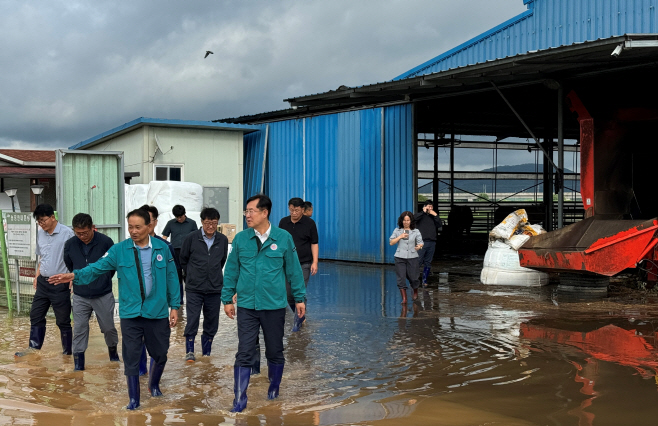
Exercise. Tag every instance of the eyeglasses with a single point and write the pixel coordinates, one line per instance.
(43, 220)
(210, 222)
(83, 233)
(251, 212)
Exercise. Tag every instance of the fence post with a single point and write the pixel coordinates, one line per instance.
(5, 263)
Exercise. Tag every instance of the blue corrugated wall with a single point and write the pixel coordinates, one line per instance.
(335, 161)
(548, 23)
(254, 147)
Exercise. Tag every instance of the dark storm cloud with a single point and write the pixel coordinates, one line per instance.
(72, 69)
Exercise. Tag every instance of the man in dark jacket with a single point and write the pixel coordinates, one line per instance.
(202, 256)
(87, 247)
(429, 224)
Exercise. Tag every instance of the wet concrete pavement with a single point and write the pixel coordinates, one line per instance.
(463, 354)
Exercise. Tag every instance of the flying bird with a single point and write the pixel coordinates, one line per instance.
(208, 52)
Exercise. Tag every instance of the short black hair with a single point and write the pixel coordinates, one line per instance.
(308, 205)
(264, 202)
(141, 213)
(82, 221)
(412, 225)
(428, 203)
(296, 202)
(151, 209)
(178, 210)
(209, 213)
(43, 210)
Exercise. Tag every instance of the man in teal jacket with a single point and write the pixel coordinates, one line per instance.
(263, 257)
(148, 287)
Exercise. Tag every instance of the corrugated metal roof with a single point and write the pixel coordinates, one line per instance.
(547, 24)
(161, 122)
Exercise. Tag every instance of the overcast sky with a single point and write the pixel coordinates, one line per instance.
(71, 70)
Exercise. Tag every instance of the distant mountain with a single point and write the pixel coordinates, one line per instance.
(478, 186)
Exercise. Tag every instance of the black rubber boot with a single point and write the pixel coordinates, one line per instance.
(206, 345)
(133, 392)
(155, 373)
(79, 361)
(37, 335)
(240, 384)
(274, 374)
(114, 355)
(67, 341)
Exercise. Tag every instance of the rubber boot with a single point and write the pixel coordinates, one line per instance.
(79, 361)
(255, 368)
(240, 385)
(142, 362)
(414, 294)
(114, 355)
(37, 335)
(154, 378)
(426, 273)
(133, 392)
(293, 307)
(403, 292)
(297, 323)
(274, 374)
(189, 349)
(67, 341)
(206, 345)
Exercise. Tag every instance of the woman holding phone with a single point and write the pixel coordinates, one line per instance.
(409, 241)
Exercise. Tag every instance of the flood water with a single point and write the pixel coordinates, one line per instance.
(463, 354)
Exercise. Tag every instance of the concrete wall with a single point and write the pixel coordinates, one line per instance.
(209, 157)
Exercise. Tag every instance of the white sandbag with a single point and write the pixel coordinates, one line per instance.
(496, 276)
(502, 267)
(166, 194)
(505, 229)
(135, 196)
(516, 241)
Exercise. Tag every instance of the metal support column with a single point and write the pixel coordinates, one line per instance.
(560, 155)
(435, 177)
(548, 186)
(452, 169)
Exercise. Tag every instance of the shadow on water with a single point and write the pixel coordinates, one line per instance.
(462, 354)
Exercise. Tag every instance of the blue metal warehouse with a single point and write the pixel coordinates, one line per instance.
(352, 151)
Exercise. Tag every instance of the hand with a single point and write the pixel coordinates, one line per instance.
(404, 236)
(34, 283)
(301, 309)
(235, 298)
(432, 212)
(314, 268)
(419, 246)
(61, 278)
(173, 318)
(229, 310)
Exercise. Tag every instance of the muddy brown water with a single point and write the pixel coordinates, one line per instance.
(463, 354)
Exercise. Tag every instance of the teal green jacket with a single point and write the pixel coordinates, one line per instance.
(165, 292)
(259, 276)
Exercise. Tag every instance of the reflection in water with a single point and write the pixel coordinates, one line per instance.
(463, 353)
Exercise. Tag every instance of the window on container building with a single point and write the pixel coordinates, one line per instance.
(174, 173)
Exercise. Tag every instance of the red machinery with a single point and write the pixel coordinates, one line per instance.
(604, 243)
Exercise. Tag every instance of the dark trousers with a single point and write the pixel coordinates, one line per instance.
(250, 321)
(426, 254)
(210, 303)
(57, 296)
(407, 269)
(306, 270)
(135, 332)
(181, 276)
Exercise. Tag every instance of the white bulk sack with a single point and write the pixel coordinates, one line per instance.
(166, 194)
(502, 267)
